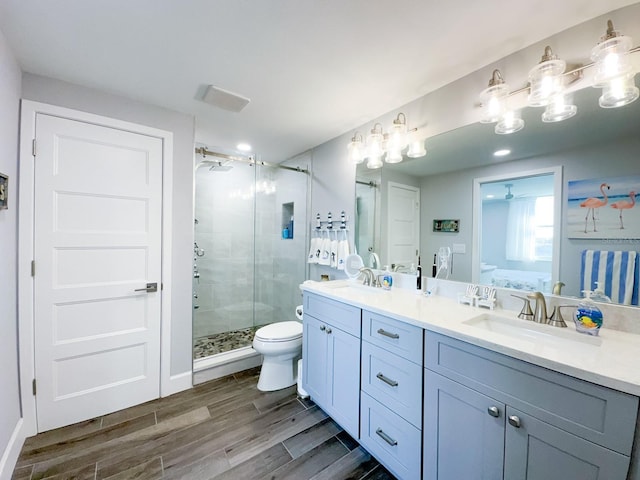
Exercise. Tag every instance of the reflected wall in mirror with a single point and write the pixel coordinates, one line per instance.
(515, 246)
(367, 222)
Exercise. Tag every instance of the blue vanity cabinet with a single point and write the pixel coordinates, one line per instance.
(331, 353)
(499, 414)
(463, 432)
(391, 397)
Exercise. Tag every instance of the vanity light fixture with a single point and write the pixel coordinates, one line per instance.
(614, 71)
(379, 144)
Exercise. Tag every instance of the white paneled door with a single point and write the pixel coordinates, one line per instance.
(98, 212)
(403, 223)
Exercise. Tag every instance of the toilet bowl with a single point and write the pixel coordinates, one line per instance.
(280, 344)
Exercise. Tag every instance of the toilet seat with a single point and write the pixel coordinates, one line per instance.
(280, 332)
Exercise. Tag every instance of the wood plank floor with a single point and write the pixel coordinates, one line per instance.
(222, 429)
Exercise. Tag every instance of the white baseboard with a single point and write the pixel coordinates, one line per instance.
(178, 383)
(12, 451)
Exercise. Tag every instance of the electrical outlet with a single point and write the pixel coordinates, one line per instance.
(459, 248)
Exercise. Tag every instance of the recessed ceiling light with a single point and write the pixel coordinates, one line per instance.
(244, 147)
(490, 196)
(502, 152)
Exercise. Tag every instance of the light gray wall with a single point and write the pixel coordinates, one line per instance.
(55, 92)
(617, 158)
(333, 190)
(9, 116)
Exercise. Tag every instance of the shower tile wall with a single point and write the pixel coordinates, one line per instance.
(224, 208)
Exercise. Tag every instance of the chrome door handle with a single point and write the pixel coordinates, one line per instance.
(493, 411)
(386, 437)
(150, 288)
(386, 380)
(322, 328)
(388, 334)
(514, 421)
(329, 330)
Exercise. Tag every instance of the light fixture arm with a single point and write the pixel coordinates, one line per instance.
(496, 78)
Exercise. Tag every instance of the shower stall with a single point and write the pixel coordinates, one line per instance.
(250, 228)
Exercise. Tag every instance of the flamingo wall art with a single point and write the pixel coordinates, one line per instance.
(604, 208)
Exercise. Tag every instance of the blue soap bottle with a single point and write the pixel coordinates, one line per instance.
(387, 279)
(588, 316)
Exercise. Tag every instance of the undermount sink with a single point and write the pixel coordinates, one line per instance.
(356, 286)
(530, 331)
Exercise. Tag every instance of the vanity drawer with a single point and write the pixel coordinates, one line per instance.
(393, 381)
(346, 317)
(391, 439)
(599, 414)
(397, 337)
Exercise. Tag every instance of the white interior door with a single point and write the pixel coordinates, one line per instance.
(98, 211)
(403, 223)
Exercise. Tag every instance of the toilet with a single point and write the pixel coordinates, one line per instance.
(281, 347)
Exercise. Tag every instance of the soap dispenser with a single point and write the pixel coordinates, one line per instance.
(588, 317)
(387, 278)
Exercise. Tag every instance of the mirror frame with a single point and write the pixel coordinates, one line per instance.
(557, 216)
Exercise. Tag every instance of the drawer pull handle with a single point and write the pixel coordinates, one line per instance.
(388, 334)
(493, 411)
(322, 328)
(514, 421)
(386, 380)
(386, 437)
(329, 330)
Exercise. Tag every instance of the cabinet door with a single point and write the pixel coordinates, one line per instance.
(536, 450)
(463, 432)
(344, 379)
(314, 352)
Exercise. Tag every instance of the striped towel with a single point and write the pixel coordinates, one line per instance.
(616, 271)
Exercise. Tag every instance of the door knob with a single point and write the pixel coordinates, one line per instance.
(150, 288)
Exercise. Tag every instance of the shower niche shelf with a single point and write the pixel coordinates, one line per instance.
(287, 221)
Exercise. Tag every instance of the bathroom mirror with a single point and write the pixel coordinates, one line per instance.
(595, 143)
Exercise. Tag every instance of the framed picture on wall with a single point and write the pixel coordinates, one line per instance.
(604, 208)
(4, 191)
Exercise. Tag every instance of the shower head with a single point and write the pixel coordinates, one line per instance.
(219, 167)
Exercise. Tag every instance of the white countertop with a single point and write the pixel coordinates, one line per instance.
(612, 359)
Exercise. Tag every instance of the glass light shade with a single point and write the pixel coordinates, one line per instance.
(494, 103)
(546, 81)
(374, 144)
(509, 123)
(618, 92)
(558, 109)
(416, 148)
(611, 59)
(397, 138)
(356, 151)
(374, 162)
(393, 156)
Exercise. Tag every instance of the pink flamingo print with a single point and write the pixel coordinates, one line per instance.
(624, 205)
(591, 204)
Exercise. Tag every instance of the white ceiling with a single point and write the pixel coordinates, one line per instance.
(312, 69)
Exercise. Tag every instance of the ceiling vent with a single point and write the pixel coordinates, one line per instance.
(225, 99)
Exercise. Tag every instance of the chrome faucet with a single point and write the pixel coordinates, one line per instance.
(540, 309)
(369, 277)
